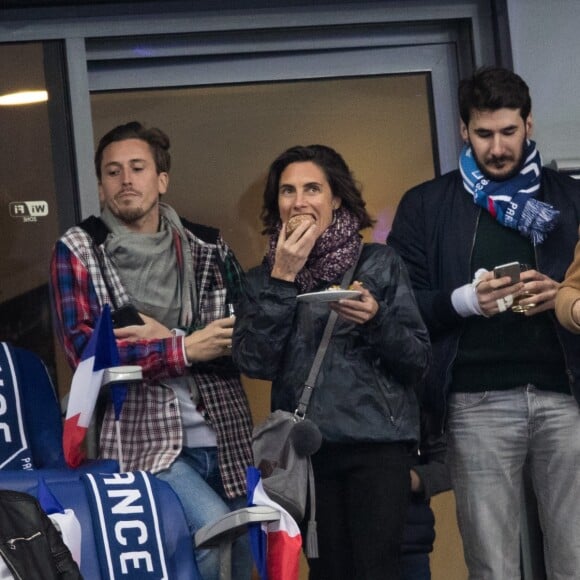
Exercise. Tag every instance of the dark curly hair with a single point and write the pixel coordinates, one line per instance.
(492, 88)
(158, 142)
(338, 175)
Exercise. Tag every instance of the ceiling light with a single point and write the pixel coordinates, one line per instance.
(24, 98)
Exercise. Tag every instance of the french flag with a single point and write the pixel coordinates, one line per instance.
(99, 354)
(65, 520)
(275, 545)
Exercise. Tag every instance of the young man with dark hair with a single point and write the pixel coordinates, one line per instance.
(505, 374)
(189, 421)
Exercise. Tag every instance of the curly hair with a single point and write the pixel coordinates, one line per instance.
(157, 140)
(338, 175)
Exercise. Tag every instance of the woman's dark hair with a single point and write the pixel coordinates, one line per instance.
(338, 175)
(493, 88)
(157, 140)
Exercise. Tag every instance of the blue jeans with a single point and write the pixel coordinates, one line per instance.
(196, 479)
(491, 436)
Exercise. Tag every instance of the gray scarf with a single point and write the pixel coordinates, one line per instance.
(149, 270)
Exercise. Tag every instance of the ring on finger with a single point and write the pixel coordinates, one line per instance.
(509, 300)
(501, 304)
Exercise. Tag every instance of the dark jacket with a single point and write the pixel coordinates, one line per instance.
(434, 232)
(419, 532)
(364, 391)
(29, 543)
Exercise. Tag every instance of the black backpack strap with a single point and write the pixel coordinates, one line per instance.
(98, 231)
(96, 228)
(208, 234)
(230, 269)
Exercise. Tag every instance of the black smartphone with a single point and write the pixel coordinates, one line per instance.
(512, 269)
(127, 315)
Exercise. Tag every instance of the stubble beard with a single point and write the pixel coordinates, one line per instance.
(130, 214)
(502, 177)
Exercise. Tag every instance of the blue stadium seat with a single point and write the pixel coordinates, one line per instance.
(31, 448)
(155, 542)
(30, 418)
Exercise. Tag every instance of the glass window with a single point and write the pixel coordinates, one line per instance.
(223, 138)
(29, 223)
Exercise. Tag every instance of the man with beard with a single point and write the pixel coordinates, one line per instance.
(506, 382)
(189, 421)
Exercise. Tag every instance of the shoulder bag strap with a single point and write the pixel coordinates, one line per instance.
(310, 383)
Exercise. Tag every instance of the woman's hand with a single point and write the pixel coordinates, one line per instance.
(292, 252)
(355, 310)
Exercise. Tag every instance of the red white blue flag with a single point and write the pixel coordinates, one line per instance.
(99, 354)
(275, 545)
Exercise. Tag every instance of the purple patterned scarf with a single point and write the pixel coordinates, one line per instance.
(335, 251)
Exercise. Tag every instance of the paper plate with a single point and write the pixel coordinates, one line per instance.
(328, 295)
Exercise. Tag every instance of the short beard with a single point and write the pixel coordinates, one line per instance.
(517, 168)
(506, 177)
(130, 216)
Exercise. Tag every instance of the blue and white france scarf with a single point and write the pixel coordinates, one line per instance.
(512, 202)
(14, 450)
(126, 525)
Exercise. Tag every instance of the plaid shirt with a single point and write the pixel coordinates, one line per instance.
(151, 427)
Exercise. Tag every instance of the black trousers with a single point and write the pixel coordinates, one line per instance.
(362, 494)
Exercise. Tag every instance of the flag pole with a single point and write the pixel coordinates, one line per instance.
(119, 446)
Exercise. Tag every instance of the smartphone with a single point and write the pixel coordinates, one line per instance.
(127, 315)
(512, 269)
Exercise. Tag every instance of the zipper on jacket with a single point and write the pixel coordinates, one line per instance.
(9, 563)
(447, 377)
(11, 543)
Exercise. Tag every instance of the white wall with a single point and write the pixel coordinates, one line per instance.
(545, 37)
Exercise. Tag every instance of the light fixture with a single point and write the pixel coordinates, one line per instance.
(23, 98)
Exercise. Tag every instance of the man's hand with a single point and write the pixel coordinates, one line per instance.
(542, 289)
(292, 252)
(490, 289)
(355, 310)
(211, 342)
(150, 330)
